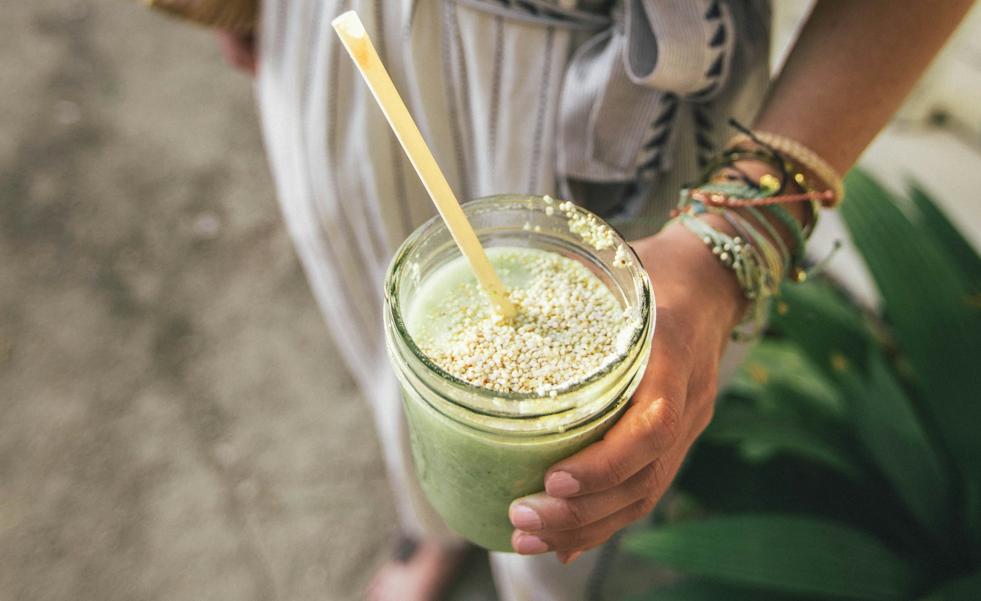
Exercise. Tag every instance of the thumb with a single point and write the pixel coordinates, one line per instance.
(651, 426)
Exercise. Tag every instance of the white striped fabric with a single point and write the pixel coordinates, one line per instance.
(612, 102)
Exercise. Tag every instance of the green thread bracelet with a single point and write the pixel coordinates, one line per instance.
(744, 260)
(772, 231)
(742, 190)
(800, 244)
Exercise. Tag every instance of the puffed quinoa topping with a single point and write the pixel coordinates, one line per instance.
(568, 327)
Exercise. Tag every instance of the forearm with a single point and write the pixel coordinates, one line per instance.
(848, 72)
(850, 69)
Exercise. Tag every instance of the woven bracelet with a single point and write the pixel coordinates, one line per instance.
(802, 156)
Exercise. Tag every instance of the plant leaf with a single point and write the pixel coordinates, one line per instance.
(946, 236)
(824, 326)
(733, 423)
(781, 367)
(938, 330)
(787, 554)
(721, 481)
(897, 444)
(967, 588)
(702, 590)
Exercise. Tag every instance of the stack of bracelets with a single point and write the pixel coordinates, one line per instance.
(757, 253)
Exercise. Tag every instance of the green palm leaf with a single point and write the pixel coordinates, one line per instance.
(824, 326)
(793, 555)
(701, 590)
(777, 372)
(889, 429)
(928, 305)
(744, 425)
(946, 236)
(966, 588)
(883, 417)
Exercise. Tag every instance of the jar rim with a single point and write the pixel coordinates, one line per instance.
(433, 226)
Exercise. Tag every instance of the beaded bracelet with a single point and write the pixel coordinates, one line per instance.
(771, 186)
(757, 269)
(740, 195)
(775, 262)
(758, 254)
(704, 194)
(800, 154)
(739, 256)
(733, 252)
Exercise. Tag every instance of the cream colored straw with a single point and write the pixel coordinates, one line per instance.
(355, 39)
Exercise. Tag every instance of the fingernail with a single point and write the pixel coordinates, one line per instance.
(572, 557)
(529, 544)
(524, 517)
(561, 484)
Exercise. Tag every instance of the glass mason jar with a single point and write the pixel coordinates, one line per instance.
(475, 450)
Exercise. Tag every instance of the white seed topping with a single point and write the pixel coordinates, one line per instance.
(592, 231)
(621, 259)
(568, 327)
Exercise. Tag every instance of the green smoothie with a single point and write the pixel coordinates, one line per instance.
(570, 329)
(471, 477)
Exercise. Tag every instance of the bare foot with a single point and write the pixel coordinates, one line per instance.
(421, 570)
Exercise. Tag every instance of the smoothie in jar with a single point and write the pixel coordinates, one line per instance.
(491, 404)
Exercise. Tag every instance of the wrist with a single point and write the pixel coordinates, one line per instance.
(686, 273)
(759, 171)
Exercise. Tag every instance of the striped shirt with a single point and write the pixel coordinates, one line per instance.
(611, 104)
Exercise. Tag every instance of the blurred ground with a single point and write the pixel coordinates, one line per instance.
(174, 422)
